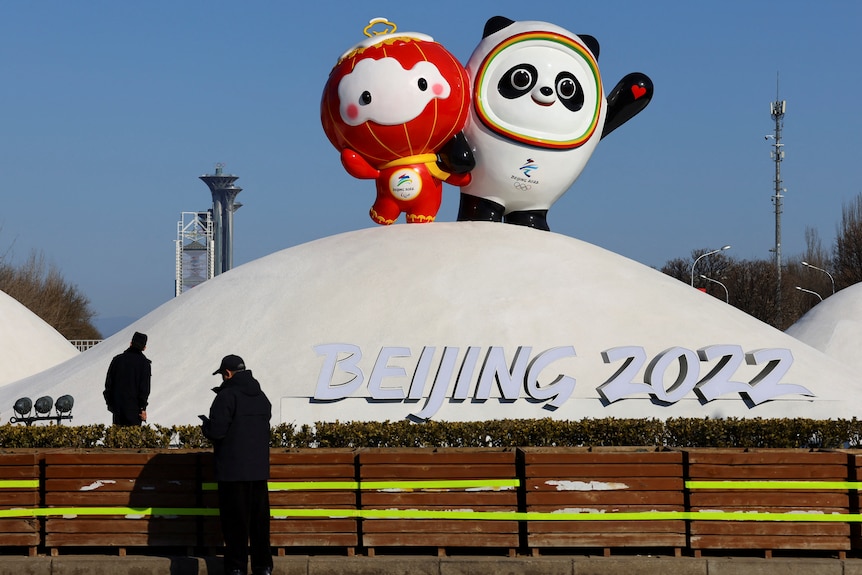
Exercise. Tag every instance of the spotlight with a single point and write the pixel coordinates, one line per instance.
(23, 406)
(64, 404)
(44, 405)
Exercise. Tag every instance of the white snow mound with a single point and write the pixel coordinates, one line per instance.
(462, 321)
(28, 344)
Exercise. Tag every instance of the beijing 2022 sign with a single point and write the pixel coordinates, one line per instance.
(531, 375)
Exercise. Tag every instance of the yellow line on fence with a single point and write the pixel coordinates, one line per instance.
(281, 513)
(843, 485)
(308, 485)
(129, 512)
(495, 484)
(19, 484)
(478, 484)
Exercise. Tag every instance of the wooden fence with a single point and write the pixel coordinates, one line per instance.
(507, 501)
(565, 486)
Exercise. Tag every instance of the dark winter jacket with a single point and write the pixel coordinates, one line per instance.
(127, 386)
(238, 426)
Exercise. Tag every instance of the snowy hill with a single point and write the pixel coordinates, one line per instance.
(462, 321)
(28, 345)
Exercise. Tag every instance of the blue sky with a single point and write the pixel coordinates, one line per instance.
(110, 111)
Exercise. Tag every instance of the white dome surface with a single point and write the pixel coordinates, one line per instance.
(549, 307)
(834, 326)
(28, 344)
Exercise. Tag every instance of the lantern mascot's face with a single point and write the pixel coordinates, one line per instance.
(395, 105)
(538, 111)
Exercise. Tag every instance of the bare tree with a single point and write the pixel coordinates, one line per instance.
(847, 251)
(814, 252)
(41, 288)
(677, 268)
(712, 266)
(750, 285)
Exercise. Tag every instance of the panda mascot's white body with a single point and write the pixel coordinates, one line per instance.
(538, 111)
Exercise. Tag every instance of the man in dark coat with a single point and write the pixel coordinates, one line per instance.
(127, 385)
(238, 426)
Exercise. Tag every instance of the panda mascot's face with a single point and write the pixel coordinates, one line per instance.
(537, 84)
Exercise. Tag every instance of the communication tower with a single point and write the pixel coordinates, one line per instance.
(777, 110)
(195, 250)
(224, 193)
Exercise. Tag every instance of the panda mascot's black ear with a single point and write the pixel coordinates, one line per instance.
(626, 100)
(495, 24)
(591, 43)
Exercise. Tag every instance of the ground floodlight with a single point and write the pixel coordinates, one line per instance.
(23, 406)
(65, 403)
(44, 404)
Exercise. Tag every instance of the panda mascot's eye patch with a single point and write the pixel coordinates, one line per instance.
(518, 81)
(570, 91)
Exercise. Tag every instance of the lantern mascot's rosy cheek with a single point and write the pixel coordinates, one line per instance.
(395, 105)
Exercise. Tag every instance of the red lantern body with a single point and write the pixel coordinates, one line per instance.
(390, 105)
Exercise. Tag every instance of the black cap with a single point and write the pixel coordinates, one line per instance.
(139, 340)
(230, 363)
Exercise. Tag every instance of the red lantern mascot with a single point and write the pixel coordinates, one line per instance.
(395, 105)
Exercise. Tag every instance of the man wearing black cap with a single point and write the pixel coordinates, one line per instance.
(238, 426)
(127, 385)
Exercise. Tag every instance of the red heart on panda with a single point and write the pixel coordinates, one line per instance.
(638, 91)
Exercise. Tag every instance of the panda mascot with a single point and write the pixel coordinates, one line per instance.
(538, 110)
(394, 105)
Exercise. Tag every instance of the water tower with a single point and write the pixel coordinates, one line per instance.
(224, 193)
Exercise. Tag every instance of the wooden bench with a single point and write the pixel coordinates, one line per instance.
(769, 466)
(19, 492)
(588, 484)
(320, 485)
(121, 499)
(429, 498)
(532, 500)
(854, 464)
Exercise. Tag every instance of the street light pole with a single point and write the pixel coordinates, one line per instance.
(726, 294)
(808, 265)
(811, 292)
(703, 256)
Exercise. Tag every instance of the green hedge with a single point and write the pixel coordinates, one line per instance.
(678, 432)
